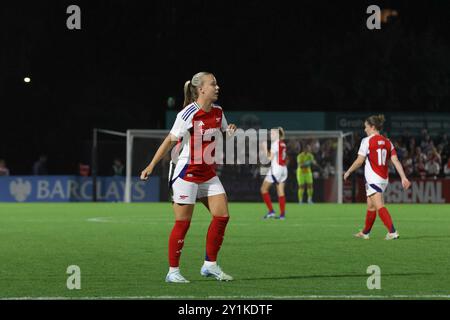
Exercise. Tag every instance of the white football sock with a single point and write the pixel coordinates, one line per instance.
(210, 263)
(173, 269)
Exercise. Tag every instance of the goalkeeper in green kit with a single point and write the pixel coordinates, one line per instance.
(305, 160)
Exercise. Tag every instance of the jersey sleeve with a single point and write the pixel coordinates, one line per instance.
(393, 151)
(181, 126)
(364, 148)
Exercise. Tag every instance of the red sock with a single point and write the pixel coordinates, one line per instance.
(386, 218)
(282, 201)
(370, 219)
(266, 198)
(214, 237)
(176, 241)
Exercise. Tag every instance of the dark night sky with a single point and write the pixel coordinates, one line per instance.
(118, 71)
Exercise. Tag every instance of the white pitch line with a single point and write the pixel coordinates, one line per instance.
(239, 297)
(99, 219)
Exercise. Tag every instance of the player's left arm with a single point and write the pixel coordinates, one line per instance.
(355, 166)
(230, 129)
(398, 166)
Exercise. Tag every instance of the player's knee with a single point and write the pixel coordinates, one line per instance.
(223, 214)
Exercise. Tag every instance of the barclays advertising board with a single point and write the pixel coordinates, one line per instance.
(74, 189)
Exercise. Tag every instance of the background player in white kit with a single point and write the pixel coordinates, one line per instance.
(194, 176)
(277, 173)
(375, 151)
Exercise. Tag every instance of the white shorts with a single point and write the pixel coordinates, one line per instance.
(186, 192)
(277, 175)
(372, 188)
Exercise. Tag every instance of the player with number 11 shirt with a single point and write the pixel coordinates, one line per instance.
(376, 151)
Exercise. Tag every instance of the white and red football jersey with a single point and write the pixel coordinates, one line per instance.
(377, 150)
(278, 150)
(196, 127)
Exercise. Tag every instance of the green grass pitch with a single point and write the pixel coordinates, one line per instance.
(121, 250)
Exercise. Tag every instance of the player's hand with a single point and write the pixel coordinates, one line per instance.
(231, 129)
(146, 173)
(406, 184)
(346, 175)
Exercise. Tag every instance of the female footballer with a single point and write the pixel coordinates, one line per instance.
(277, 173)
(194, 177)
(375, 151)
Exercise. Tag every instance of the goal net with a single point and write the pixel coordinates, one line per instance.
(243, 165)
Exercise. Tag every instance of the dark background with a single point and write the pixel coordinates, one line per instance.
(130, 56)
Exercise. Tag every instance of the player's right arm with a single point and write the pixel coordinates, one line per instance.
(358, 163)
(362, 153)
(181, 126)
(405, 182)
(167, 144)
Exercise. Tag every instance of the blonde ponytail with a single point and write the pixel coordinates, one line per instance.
(191, 87)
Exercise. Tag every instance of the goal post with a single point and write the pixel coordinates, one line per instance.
(95, 153)
(242, 180)
(131, 136)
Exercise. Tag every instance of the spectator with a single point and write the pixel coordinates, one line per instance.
(408, 164)
(83, 169)
(118, 167)
(328, 170)
(424, 134)
(401, 150)
(419, 156)
(419, 168)
(4, 171)
(447, 169)
(432, 167)
(426, 144)
(40, 166)
(412, 145)
(315, 145)
(439, 150)
(435, 155)
(444, 140)
(444, 148)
